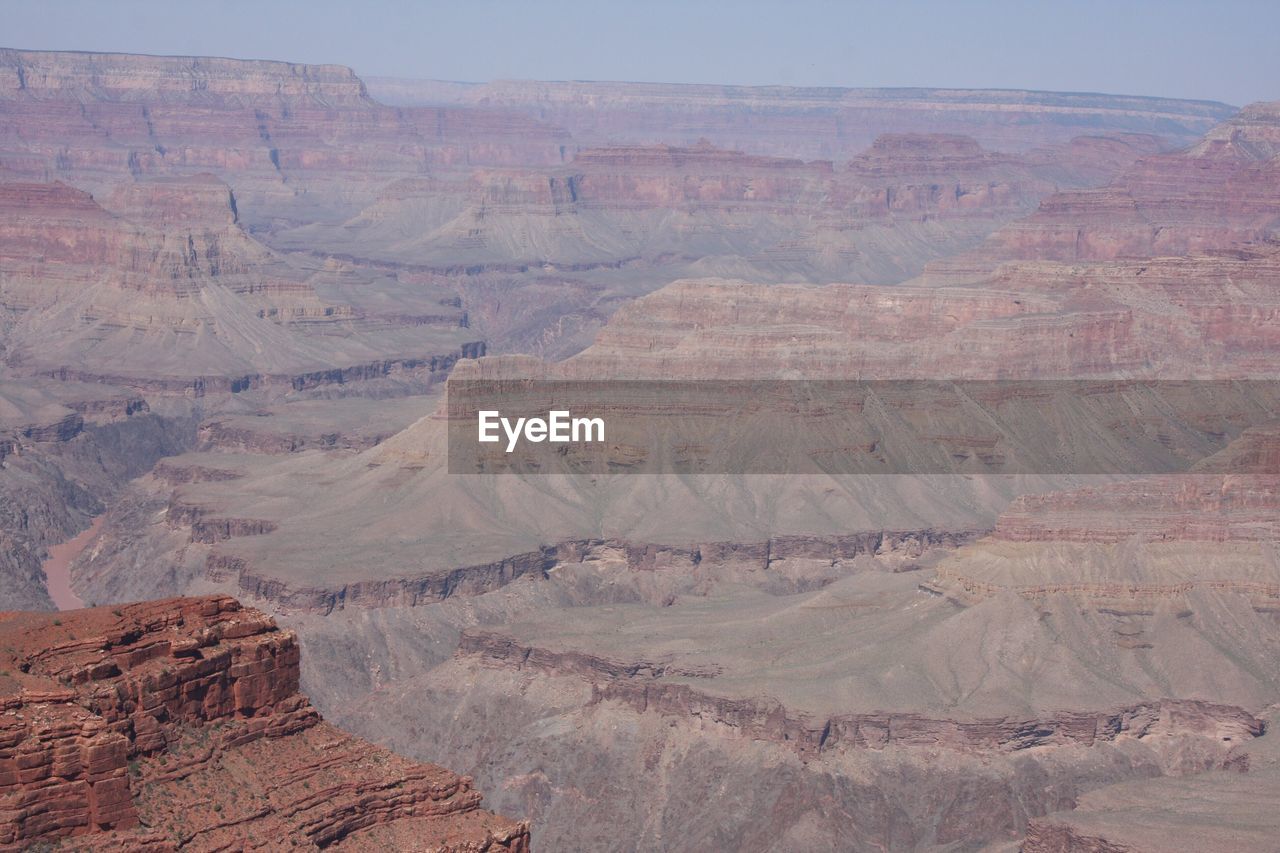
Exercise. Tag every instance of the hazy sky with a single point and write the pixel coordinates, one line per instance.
(1226, 50)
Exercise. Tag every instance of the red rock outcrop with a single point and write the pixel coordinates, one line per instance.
(179, 724)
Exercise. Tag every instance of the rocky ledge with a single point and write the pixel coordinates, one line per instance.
(178, 724)
(479, 578)
(645, 686)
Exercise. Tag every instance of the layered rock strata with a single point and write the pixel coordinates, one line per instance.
(178, 724)
(1136, 545)
(486, 577)
(640, 685)
(828, 122)
(297, 141)
(908, 199)
(167, 294)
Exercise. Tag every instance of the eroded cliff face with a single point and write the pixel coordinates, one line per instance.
(165, 292)
(545, 253)
(655, 686)
(66, 449)
(121, 77)
(790, 634)
(1206, 508)
(298, 139)
(1138, 547)
(722, 774)
(1168, 271)
(1213, 199)
(754, 663)
(1215, 812)
(828, 122)
(178, 724)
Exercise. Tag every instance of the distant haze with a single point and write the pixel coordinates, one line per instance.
(1221, 51)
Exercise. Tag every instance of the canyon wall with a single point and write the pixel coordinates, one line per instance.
(178, 723)
(281, 269)
(66, 450)
(810, 122)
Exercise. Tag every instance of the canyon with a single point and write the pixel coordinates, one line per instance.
(234, 296)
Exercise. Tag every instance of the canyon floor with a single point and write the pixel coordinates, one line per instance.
(233, 295)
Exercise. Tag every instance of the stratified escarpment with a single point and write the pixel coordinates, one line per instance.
(542, 254)
(1215, 200)
(1140, 545)
(178, 725)
(167, 294)
(865, 709)
(255, 580)
(1215, 813)
(811, 122)
(297, 139)
(671, 690)
(282, 269)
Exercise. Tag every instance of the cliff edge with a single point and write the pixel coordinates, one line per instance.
(178, 724)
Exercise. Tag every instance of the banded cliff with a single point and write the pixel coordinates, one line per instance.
(294, 140)
(907, 199)
(163, 292)
(253, 580)
(810, 122)
(178, 724)
(1216, 199)
(1141, 544)
(672, 691)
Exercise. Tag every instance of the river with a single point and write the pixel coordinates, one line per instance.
(57, 569)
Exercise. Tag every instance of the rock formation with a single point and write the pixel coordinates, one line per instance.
(65, 449)
(178, 724)
(1215, 812)
(167, 304)
(292, 139)
(263, 274)
(828, 122)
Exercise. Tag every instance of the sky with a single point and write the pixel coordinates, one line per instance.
(1225, 50)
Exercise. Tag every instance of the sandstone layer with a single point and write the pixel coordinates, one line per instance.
(178, 725)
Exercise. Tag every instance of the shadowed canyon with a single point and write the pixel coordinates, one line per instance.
(234, 294)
